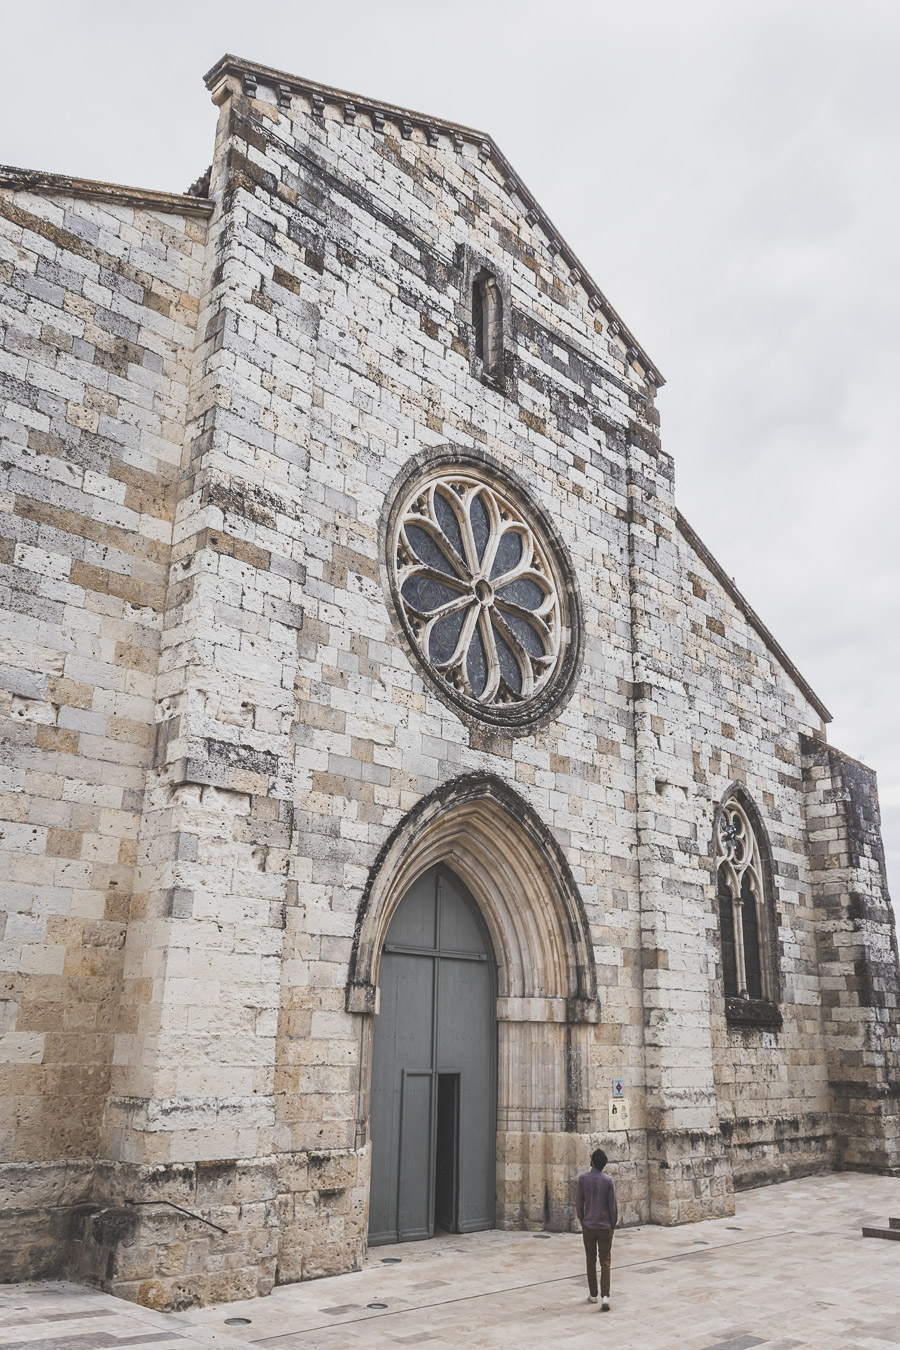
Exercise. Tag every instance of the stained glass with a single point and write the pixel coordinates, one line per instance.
(476, 664)
(528, 638)
(427, 549)
(449, 523)
(522, 592)
(445, 636)
(750, 921)
(481, 526)
(726, 925)
(509, 666)
(426, 594)
(508, 555)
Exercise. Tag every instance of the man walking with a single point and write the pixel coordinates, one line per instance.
(598, 1214)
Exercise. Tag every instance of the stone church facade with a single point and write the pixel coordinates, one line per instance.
(381, 743)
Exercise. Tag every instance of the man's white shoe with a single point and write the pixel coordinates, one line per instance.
(604, 1303)
(592, 1298)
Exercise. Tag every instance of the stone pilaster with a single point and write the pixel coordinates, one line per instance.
(688, 1166)
(194, 1082)
(858, 967)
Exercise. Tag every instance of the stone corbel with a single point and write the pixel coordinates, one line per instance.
(221, 92)
(583, 1010)
(362, 998)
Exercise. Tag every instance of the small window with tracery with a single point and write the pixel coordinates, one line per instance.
(744, 927)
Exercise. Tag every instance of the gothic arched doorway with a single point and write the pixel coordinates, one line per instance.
(433, 1095)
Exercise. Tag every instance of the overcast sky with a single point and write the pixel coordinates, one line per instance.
(727, 170)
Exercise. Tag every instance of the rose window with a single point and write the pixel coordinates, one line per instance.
(478, 590)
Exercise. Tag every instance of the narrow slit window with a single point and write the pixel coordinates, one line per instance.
(487, 322)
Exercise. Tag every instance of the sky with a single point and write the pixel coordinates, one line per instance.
(726, 169)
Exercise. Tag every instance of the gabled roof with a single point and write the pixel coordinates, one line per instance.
(751, 616)
(406, 120)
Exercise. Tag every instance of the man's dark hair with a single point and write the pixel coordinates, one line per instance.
(599, 1159)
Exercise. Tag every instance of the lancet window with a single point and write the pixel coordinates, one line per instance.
(487, 322)
(743, 918)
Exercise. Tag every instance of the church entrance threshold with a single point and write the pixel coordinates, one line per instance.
(433, 1114)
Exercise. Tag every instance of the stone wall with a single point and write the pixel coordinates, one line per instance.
(100, 301)
(748, 719)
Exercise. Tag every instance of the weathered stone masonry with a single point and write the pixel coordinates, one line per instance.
(224, 763)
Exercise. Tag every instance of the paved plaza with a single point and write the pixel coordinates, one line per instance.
(790, 1270)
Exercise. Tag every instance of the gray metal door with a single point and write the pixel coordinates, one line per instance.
(433, 1112)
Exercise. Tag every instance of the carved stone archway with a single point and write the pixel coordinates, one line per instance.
(514, 869)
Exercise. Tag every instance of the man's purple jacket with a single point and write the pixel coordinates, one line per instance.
(595, 1200)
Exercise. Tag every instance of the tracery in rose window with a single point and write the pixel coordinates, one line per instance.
(477, 589)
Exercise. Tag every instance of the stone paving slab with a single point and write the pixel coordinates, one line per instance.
(56, 1315)
(791, 1271)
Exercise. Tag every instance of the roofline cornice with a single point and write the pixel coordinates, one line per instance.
(406, 119)
(751, 616)
(35, 180)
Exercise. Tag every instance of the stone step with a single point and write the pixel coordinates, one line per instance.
(890, 1230)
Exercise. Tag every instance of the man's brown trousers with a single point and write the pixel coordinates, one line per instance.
(598, 1245)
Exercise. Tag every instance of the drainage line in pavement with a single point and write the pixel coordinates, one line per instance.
(516, 1288)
